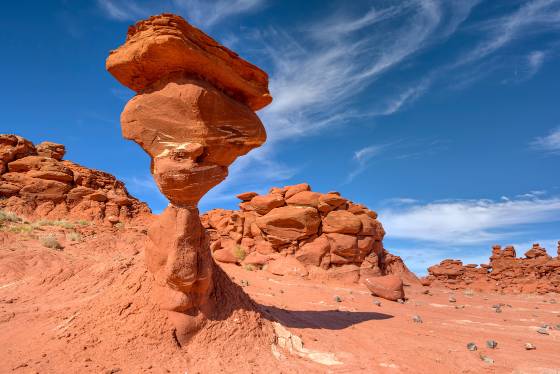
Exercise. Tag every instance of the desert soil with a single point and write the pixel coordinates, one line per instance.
(86, 309)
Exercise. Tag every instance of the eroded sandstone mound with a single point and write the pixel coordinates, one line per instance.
(537, 272)
(296, 231)
(36, 182)
(193, 115)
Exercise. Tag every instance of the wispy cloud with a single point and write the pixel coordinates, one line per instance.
(533, 17)
(535, 60)
(199, 12)
(465, 222)
(549, 143)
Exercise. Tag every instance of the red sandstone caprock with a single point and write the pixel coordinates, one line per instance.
(166, 44)
(194, 115)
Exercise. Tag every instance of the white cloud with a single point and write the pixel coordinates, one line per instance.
(535, 60)
(201, 13)
(533, 17)
(464, 222)
(549, 143)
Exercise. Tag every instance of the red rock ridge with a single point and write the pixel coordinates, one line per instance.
(37, 183)
(293, 230)
(537, 272)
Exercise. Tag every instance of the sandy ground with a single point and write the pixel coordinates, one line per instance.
(85, 309)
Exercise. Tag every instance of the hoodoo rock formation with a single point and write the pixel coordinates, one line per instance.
(194, 115)
(293, 230)
(36, 182)
(536, 273)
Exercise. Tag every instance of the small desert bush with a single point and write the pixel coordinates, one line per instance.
(50, 241)
(74, 236)
(60, 223)
(21, 229)
(6, 217)
(83, 222)
(239, 252)
(119, 225)
(249, 267)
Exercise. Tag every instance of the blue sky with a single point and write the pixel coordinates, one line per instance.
(442, 115)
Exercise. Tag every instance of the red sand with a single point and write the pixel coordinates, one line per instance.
(87, 309)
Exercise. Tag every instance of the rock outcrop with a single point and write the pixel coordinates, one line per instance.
(537, 272)
(293, 230)
(36, 182)
(193, 115)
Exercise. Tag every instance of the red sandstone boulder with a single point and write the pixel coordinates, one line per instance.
(292, 190)
(389, 287)
(290, 222)
(312, 253)
(262, 204)
(304, 198)
(342, 222)
(246, 196)
(52, 150)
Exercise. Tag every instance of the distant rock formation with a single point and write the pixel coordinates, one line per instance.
(194, 115)
(36, 182)
(536, 273)
(293, 230)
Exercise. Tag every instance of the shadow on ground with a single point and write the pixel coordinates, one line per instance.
(320, 319)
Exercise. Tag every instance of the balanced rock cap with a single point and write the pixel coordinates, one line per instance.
(166, 43)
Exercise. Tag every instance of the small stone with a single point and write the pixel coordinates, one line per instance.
(472, 347)
(486, 359)
(492, 344)
(452, 299)
(417, 319)
(530, 347)
(377, 302)
(426, 292)
(400, 301)
(244, 283)
(543, 331)
(459, 307)
(498, 310)
(338, 299)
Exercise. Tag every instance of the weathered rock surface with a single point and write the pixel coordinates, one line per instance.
(389, 287)
(325, 234)
(166, 43)
(537, 272)
(193, 115)
(35, 182)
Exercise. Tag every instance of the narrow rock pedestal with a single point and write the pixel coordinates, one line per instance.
(194, 115)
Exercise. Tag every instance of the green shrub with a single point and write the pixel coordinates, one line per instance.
(60, 223)
(50, 241)
(239, 253)
(83, 222)
(8, 217)
(74, 236)
(249, 267)
(21, 229)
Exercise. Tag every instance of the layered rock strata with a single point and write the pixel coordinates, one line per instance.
(537, 272)
(295, 231)
(36, 182)
(193, 115)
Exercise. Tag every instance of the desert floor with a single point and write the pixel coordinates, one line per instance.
(85, 309)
